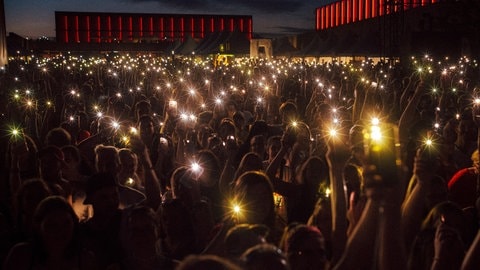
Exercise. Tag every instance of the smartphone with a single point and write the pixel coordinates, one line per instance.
(382, 148)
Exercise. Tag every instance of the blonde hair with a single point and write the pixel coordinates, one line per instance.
(475, 158)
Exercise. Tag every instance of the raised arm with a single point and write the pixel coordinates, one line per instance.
(152, 185)
(409, 114)
(337, 156)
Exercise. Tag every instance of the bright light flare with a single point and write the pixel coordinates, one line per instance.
(15, 132)
(376, 133)
(195, 167)
(327, 192)
(332, 132)
(115, 125)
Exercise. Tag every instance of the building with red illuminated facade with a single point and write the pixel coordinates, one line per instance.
(395, 28)
(94, 27)
(350, 11)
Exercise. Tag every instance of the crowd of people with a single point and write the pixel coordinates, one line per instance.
(135, 161)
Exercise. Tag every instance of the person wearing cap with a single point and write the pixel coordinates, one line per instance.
(101, 232)
(52, 161)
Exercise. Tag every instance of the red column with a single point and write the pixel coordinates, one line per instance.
(65, 27)
(130, 28)
(99, 31)
(355, 11)
(109, 27)
(374, 8)
(182, 28)
(87, 21)
(120, 28)
(172, 29)
(150, 25)
(327, 16)
(337, 13)
(332, 15)
(162, 28)
(77, 34)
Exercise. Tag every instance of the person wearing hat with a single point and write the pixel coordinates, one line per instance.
(101, 233)
(52, 160)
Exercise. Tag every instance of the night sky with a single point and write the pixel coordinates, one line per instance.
(34, 18)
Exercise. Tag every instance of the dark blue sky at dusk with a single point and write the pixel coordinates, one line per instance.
(34, 18)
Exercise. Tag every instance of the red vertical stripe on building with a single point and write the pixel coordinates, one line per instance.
(381, 8)
(327, 17)
(162, 28)
(130, 28)
(77, 34)
(182, 27)
(222, 24)
(202, 27)
(347, 9)
(120, 30)
(242, 26)
(151, 26)
(212, 25)
(232, 24)
(88, 29)
(109, 25)
(140, 22)
(65, 26)
(172, 32)
(337, 14)
(99, 27)
(342, 12)
(355, 11)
